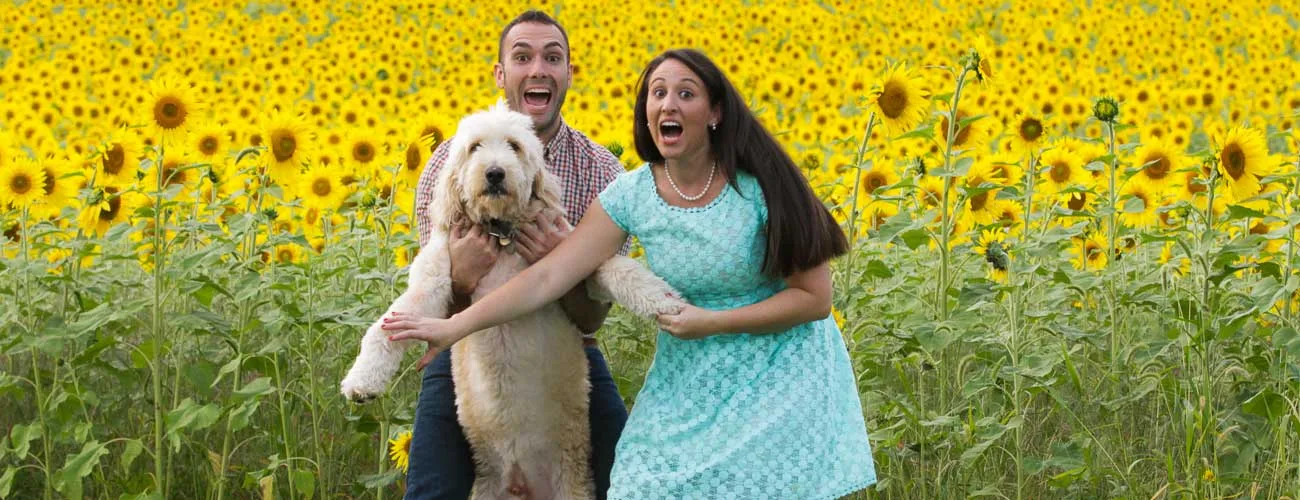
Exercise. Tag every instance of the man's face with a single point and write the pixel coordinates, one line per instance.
(535, 73)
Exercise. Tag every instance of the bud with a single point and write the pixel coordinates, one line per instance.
(997, 256)
(615, 149)
(270, 213)
(1106, 109)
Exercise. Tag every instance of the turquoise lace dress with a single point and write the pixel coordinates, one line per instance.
(733, 416)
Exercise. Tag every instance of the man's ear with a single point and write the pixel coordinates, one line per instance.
(499, 73)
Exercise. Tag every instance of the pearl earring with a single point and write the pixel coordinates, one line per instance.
(713, 126)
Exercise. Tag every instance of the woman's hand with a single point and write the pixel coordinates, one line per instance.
(440, 334)
(691, 323)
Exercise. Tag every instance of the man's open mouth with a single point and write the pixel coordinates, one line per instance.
(537, 96)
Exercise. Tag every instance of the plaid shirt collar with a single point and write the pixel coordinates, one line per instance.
(560, 144)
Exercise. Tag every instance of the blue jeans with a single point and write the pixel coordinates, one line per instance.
(441, 465)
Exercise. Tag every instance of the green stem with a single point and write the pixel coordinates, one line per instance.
(944, 236)
(157, 327)
(284, 425)
(853, 213)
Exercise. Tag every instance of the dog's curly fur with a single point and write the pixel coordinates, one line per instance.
(521, 388)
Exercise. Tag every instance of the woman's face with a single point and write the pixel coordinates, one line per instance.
(678, 111)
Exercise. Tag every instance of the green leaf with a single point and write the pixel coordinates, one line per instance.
(7, 481)
(240, 416)
(1288, 340)
(258, 387)
(372, 481)
(923, 132)
(305, 482)
(21, 436)
(1240, 212)
(1267, 404)
(79, 466)
(189, 415)
(915, 238)
(129, 453)
(877, 269)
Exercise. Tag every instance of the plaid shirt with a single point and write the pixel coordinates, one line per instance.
(583, 168)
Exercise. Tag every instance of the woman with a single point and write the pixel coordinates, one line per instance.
(751, 393)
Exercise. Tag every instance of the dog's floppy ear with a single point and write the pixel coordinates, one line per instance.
(446, 205)
(547, 189)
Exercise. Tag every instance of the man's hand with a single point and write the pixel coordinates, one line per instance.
(473, 253)
(538, 238)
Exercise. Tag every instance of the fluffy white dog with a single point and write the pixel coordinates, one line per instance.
(521, 388)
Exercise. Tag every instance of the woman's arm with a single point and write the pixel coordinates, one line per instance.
(806, 298)
(594, 241)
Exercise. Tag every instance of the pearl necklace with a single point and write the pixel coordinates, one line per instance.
(668, 173)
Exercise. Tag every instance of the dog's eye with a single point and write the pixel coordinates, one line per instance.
(474, 147)
(514, 146)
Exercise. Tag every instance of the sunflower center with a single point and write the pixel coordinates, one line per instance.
(1259, 228)
(321, 187)
(363, 153)
(413, 157)
(1234, 161)
(20, 184)
(978, 201)
(1077, 201)
(284, 147)
(49, 182)
(114, 204)
(963, 133)
(1093, 250)
(284, 255)
(12, 233)
(874, 181)
(1060, 172)
(169, 112)
(114, 160)
(208, 145)
(893, 100)
(1157, 166)
(1031, 129)
(172, 173)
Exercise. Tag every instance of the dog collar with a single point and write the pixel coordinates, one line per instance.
(503, 231)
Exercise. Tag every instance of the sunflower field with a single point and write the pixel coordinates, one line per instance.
(1074, 223)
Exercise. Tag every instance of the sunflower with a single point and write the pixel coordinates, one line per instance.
(991, 245)
(57, 191)
(173, 107)
(1243, 161)
(361, 151)
(972, 136)
(880, 175)
(209, 143)
(119, 158)
(416, 153)
(1159, 162)
(979, 204)
(288, 140)
(1138, 202)
(21, 182)
(399, 450)
(1178, 266)
(1027, 133)
(1089, 251)
(930, 192)
(107, 207)
(175, 170)
(899, 99)
(289, 253)
(322, 188)
(1061, 169)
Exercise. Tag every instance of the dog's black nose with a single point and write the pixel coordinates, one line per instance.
(495, 175)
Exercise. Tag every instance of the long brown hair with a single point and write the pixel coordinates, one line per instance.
(801, 232)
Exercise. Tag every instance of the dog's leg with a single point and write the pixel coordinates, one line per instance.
(428, 294)
(624, 280)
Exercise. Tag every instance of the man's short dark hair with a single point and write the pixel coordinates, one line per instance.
(530, 16)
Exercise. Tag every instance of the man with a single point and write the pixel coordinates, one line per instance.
(533, 69)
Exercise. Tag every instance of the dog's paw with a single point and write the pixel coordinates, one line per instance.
(359, 392)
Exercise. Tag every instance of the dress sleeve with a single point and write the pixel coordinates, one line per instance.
(616, 199)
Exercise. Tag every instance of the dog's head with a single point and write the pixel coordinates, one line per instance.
(495, 174)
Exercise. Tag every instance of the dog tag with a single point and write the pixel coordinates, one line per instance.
(504, 241)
